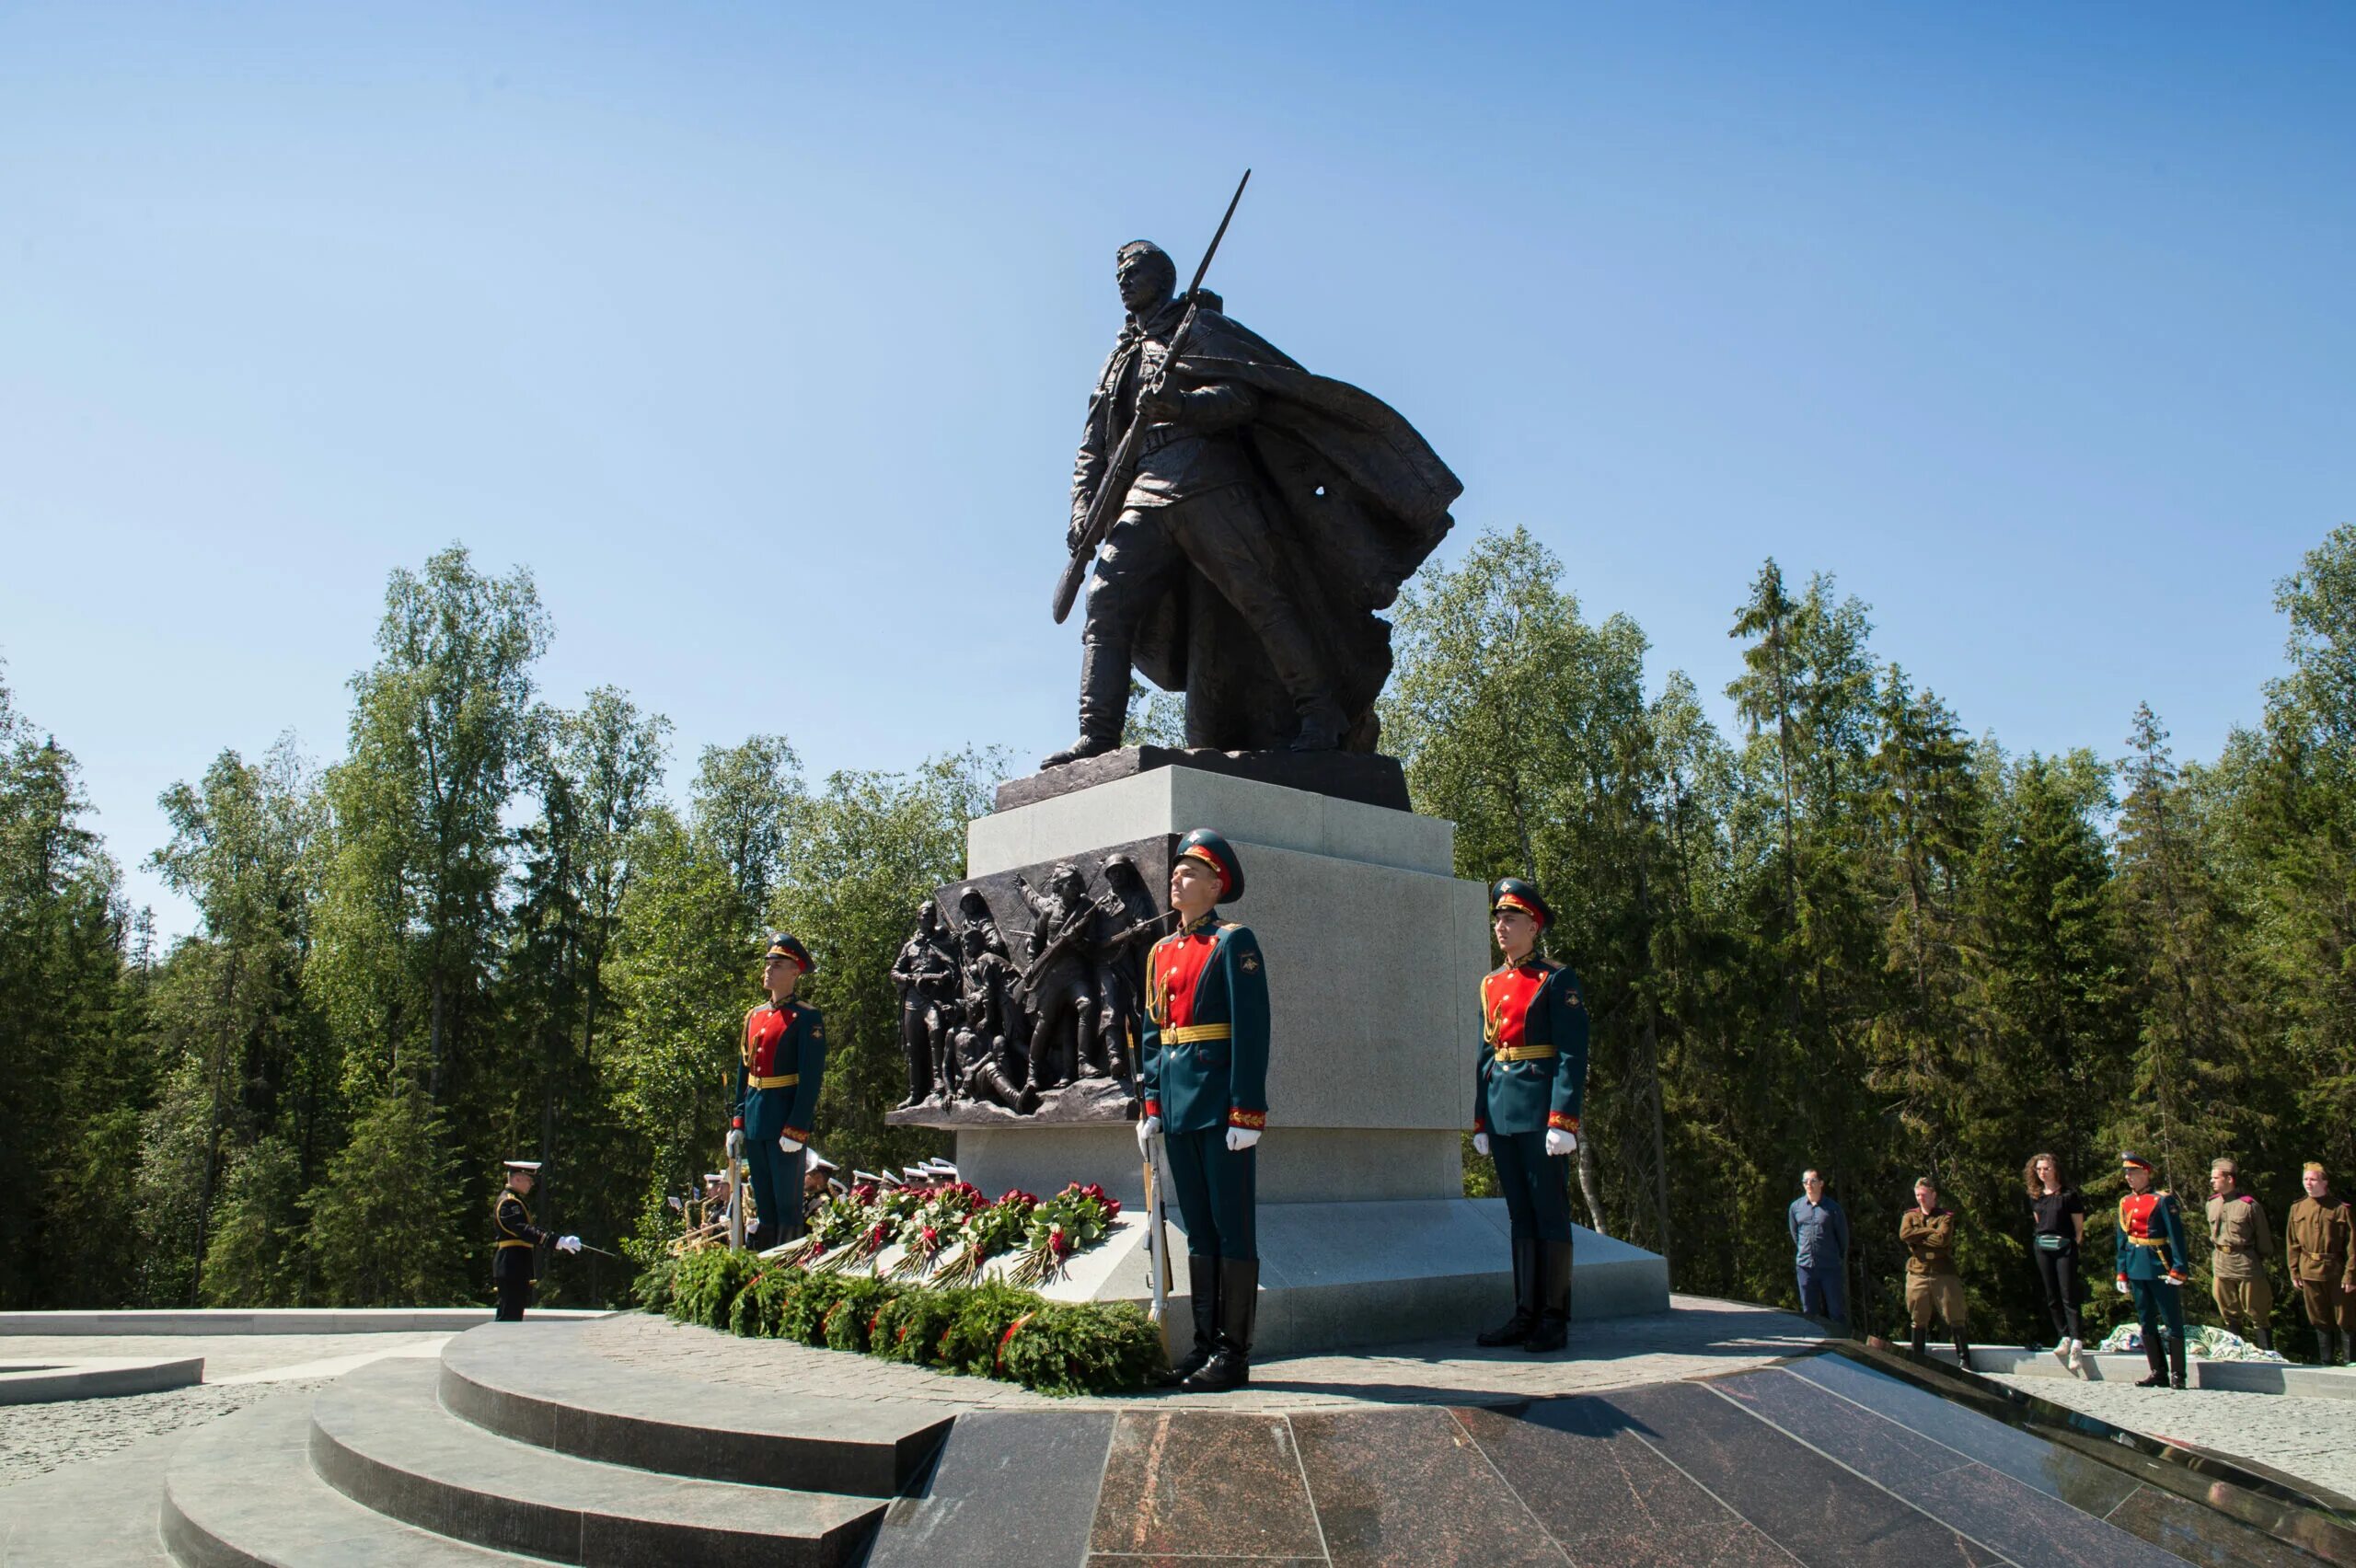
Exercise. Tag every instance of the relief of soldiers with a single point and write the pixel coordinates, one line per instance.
(1059, 985)
(989, 1065)
(927, 975)
(1129, 923)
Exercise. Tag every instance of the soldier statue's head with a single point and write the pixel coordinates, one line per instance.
(927, 917)
(1065, 882)
(1147, 275)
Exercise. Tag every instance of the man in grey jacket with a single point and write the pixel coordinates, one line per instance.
(1820, 1251)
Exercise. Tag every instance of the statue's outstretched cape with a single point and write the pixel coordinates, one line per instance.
(1356, 499)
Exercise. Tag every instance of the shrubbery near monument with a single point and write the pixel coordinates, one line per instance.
(987, 1331)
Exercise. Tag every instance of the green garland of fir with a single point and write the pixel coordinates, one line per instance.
(987, 1330)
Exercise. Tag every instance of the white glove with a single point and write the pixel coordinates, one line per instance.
(1240, 1138)
(1145, 1129)
(2122, 1287)
(568, 1244)
(1559, 1142)
(787, 1144)
(737, 1143)
(1481, 1143)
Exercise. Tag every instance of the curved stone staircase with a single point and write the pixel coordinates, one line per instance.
(517, 1446)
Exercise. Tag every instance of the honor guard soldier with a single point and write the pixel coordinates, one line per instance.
(2152, 1262)
(1203, 1072)
(1527, 1086)
(777, 1078)
(515, 1242)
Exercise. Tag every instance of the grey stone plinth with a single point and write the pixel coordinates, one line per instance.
(1337, 1274)
(1172, 800)
(1375, 952)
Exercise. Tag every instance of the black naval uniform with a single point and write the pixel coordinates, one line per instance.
(514, 1247)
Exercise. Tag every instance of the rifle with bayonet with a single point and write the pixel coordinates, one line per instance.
(1105, 505)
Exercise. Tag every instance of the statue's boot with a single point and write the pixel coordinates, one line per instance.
(1321, 723)
(1103, 703)
(1516, 1329)
(1202, 1284)
(1239, 1302)
(1553, 1328)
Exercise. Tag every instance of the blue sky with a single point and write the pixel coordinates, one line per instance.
(761, 334)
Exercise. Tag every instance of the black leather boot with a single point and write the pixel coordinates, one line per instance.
(2156, 1356)
(1202, 1285)
(1553, 1326)
(2176, 1362)
(1962, 1350)
(1103, 703)
(1516, 1329)
(1238, 1303)
(1922, 1334)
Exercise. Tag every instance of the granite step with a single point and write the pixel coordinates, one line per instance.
(539, 1384)
(381, 1436)
(241, 1494)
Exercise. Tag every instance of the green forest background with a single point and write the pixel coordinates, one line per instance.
(1853, 936)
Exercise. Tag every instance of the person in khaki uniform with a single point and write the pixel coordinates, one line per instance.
(1931, 1283)
(2322, 1247)
(2239, 1242)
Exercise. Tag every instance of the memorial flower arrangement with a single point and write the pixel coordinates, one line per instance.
(937, 1224)
(839, 1221)
(882, 1223)
(988, 1231)
(990, 1331)
(1073, 1221)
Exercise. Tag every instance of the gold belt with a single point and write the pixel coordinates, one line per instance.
(515, 1243)
(2147, 1240)
(1524, 1052)
(788, 1081)
(1187, 1033)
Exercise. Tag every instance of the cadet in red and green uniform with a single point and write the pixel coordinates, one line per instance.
(1526, 1092)
(2152, 1262)
(1203, 1069)
(515, 1242)
(778, 1076)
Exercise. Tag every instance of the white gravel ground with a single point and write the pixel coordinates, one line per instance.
(2310, 1438)
(37, 1438)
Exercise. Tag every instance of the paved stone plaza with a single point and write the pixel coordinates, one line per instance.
(2312, 1439)
(1715, 1433)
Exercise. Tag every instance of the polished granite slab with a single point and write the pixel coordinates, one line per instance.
(1011, 1489)
(1409, 1486)
(1826, 1462)
(1985, 1504)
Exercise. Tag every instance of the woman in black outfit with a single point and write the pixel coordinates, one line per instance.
(2060, 1230)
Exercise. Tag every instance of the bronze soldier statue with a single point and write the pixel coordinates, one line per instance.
(1266, 515)
(926, 975)
(1060, 982)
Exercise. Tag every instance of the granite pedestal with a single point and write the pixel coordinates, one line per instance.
(1375, 951)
